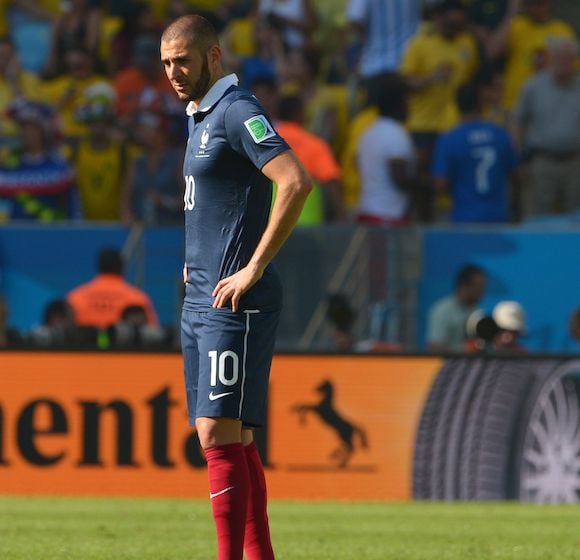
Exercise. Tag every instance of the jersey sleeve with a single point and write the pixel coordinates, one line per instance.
(251, 134)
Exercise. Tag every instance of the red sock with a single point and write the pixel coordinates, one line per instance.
(257, 544)
(229, 487)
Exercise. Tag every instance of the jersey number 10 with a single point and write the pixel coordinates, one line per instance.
(218, 368)
(189, 196)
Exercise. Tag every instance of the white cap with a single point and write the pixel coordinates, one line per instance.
(510, 316)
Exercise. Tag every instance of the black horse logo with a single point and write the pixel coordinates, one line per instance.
(345, 430)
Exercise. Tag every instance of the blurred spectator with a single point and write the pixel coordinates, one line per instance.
(132, 331)
(491, 82)
(385, 159)
(474, 163)
(36, 183)
(325, 202)
(510, 318)
(548, 129)
(30, 24)
(138, 19)
(446, 329)
(499, 332)
(326, 105)
(266, 93)
(266, 59)
(359, 124)
(487, 15)
(341, 52)
(79, 25)
(239, 37)
(480, 331)
(144, 86)
(524, 39)
(100, 159)
(14, 83)
(154, 186)
(9, 337)
(384, 28)
(134, 316)
(296, 19)
(100, 302)
(574, 329)
(436, 64)
(58, 326)
(67, 92)
(341, 315)
(218, 12)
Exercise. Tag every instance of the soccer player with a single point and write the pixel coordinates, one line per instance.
(233, 294)
(475, 163)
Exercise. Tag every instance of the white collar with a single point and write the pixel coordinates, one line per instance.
(213, 95)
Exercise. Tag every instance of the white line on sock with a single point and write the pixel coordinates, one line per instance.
(212, 496)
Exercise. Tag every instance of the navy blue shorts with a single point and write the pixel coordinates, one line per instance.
(227, 358)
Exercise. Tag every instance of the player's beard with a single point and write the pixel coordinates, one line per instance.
(201, 86)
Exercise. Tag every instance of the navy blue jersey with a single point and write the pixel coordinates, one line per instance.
(476, 158)
(227, 197)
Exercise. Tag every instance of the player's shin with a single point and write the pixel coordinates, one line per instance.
(229, 490)
(257, 543)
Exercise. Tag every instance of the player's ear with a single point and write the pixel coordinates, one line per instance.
(214, 57)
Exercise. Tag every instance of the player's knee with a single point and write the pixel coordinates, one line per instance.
(213, 432)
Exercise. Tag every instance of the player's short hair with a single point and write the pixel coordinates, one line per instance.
(199, 32)
(110, 261)
(466, 275)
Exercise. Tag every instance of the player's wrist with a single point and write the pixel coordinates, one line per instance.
(256, 268)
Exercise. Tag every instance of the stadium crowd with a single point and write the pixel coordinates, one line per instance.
(402, 110)
(107, 312)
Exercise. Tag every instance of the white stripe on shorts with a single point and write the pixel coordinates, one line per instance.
(248, 312)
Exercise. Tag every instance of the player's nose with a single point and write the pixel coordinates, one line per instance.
(172, 71)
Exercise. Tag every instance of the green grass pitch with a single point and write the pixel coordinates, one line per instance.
(147, 529)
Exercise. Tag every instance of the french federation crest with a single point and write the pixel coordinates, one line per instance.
(204, 138)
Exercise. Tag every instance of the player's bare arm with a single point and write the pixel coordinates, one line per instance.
(293, 188)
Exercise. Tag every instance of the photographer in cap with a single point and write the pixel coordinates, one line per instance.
(499, 332)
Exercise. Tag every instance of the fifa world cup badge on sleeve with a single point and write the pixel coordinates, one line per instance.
(259, 128)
